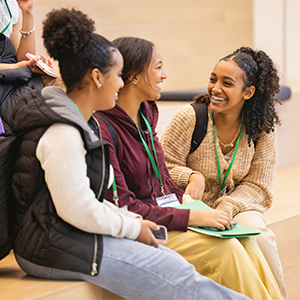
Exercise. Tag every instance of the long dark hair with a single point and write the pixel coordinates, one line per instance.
(69, 37)
(137, 54)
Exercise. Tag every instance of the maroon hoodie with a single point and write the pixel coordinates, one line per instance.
(136, 181)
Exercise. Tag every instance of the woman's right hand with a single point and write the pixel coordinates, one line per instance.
(146, 236)
(210, 217)
(196, 186)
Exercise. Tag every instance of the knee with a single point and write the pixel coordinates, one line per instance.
(232, 247)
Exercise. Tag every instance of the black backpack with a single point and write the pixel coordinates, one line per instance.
(9, 146)
(200, 126)
(111, 130)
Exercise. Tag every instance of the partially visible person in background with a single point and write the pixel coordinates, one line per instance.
(22, 78)
(16, 24)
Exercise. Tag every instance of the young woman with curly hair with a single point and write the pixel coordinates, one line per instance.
(233, 169)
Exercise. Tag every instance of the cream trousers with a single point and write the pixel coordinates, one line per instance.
(267, 244)
(235, 263)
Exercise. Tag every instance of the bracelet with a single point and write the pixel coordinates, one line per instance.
(25, 33)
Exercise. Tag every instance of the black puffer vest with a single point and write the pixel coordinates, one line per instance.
(45, 239)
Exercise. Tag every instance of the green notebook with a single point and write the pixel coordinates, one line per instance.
(237, 231)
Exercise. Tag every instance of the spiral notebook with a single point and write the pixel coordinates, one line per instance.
(236, 232)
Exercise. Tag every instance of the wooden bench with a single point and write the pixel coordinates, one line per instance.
(17, 285)
(283, 218)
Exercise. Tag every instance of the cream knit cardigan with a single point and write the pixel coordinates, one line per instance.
(250, 182)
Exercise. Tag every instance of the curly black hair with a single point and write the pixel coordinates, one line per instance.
(259, 113)
(69, 37)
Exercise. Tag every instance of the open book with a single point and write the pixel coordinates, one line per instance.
(237, 231)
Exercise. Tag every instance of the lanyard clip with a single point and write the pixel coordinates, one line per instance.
(223, 193)
(162, 189)
(115, 193)
(116, 201)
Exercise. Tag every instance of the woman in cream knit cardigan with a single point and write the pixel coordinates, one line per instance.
(233, 169)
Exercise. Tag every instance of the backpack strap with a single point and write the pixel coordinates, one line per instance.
(200, 126)
(111, 131)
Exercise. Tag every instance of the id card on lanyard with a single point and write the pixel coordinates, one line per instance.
(168, 201)
(165, 200)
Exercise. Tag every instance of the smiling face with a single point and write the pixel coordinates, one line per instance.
(111, 83)
(151, 80)
(227, 88)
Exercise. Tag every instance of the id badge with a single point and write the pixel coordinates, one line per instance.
(168, 201)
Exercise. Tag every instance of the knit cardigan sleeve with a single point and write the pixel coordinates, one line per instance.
(176, 143)
(255, 190)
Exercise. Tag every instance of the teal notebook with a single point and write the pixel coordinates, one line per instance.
(237, 231)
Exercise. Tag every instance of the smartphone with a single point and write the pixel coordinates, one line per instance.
(161, 234)
(44, 67)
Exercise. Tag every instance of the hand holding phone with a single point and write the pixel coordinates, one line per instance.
(43, 66)
(161, 234)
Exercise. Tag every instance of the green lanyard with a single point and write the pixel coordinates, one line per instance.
(153, 162)
(218, 161)
(10, 18)
(80, 111)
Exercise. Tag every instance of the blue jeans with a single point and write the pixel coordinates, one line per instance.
(136, 271)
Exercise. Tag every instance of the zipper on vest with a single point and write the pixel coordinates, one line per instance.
(94, 264)
(103, 161)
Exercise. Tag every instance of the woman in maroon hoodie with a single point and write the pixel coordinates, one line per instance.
(142, 181)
